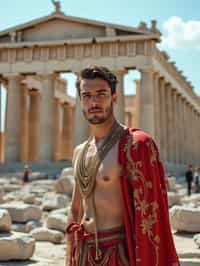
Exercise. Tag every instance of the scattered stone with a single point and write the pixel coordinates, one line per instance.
(29, 198)
(45, 234)
(57, 222)
(197, 239)
(5, 221)
(173, 198)
(63, 211)
(16, 246)
(30, 225)
(190, 262)
(185, 219)
(172, 184)
(1, 195)
(19, 227)
(22, 213)
(69, 171)
(52, 201)
(11, 187)
(26, 227)
(64, 185)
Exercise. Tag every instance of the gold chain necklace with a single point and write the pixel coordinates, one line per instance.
(86, 176)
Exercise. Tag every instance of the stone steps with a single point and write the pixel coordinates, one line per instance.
(190, 262)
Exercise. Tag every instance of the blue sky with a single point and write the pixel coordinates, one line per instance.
(178, 20)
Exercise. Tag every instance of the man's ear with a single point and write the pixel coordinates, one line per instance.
(114, 97)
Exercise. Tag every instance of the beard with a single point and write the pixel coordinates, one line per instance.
(97, 119)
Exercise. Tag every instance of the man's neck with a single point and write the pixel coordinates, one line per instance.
(102, 130)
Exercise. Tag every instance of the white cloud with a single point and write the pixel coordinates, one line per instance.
(181, 34)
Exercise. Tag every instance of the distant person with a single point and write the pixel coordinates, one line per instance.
(26, 174)
(189, 179)
(196, 179)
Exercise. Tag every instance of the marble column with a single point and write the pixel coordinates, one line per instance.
(157, 113)
(137, 104)
(147, 119)
(34, 125)
(184, 136)
(168, 118)
(119, 108)
(163, 124)
(81, 125)
(47, 118)
(24, 123)
(190, 140)
(176, 127)
(12, 146)
(58, 130)
(179, 129)
(67, 136)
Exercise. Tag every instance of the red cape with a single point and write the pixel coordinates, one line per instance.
(145, 204)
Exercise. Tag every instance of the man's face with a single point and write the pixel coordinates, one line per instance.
(96, 100)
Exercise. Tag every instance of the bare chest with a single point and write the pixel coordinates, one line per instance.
(109, 170)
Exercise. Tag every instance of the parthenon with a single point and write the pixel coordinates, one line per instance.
(44, 123)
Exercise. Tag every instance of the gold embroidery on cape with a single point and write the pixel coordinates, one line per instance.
(148, 210)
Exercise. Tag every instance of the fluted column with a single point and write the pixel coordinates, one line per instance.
(184, 123)
(163, 120)
(179, 129)
(81, 124)
(147, 119)
(47, 118)
(168, 122)
(24, 123)
(12, 146)
(119, 108)
(137, 103)
(190, 159)
(67, 143)
(157, 113)
(34, 125)
(58, 130)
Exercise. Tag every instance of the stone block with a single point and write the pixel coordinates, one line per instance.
(22, 213)
(16, 246)
(5, 221)
(45, 234)
(185, 219)
(57, 222)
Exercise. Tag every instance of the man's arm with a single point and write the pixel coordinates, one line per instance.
(73, 216)
(74, 213)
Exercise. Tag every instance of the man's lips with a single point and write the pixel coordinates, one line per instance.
(95, 111)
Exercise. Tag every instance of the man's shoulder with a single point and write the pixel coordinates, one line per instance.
(77, 150)
(139, 136)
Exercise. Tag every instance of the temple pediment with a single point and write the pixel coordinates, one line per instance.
(58, 27)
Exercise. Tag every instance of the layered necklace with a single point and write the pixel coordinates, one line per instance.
(86, 175)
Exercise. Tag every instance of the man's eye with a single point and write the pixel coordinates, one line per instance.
(86, 96)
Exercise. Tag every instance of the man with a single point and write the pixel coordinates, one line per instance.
(189, 179)
(119, 211)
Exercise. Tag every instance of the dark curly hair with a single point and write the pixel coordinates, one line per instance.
(101, 72)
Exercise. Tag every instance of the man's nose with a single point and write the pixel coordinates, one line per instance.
(94, 99)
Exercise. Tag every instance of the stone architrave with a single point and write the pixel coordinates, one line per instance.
(12, 147)
(147, 120)
(34, 125)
